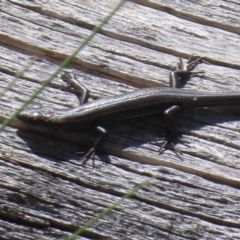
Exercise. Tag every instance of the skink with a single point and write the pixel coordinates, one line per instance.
(147, 101)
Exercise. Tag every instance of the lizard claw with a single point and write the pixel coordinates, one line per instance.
(89, 155)
(169, 142)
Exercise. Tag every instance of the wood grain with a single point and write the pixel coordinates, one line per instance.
(47, 194)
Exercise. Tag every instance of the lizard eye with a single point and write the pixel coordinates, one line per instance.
(47, 112)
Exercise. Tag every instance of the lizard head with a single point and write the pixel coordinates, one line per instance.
(37, 114)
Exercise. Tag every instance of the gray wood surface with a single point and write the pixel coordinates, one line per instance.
(47, 194)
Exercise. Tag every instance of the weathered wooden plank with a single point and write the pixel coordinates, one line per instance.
(196, 196)
(141, 135)
(150, 28)
(10, 230)
(120, 177)
(221, 14)
(63, 188)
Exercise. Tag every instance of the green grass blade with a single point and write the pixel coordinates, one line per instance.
(109, 209)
